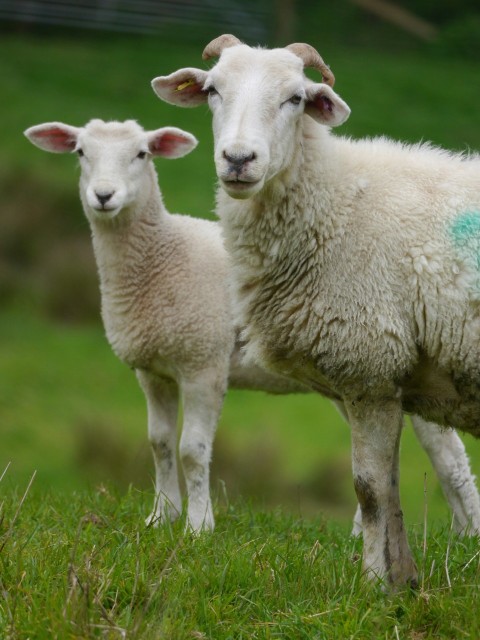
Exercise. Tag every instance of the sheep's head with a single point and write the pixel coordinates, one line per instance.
(114, 159)
(257, 97)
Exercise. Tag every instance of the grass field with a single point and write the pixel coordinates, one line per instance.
(84, 566)
(77, 562)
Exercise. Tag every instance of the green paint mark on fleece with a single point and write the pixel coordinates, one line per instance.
(465, 232)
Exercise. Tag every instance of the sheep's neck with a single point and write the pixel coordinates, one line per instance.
(297, 206)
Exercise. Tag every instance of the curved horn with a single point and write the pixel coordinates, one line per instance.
(215, 48)
(311, 58)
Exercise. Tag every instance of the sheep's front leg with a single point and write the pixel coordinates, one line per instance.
(450, 461)
(162, 407)
(357, 518)
(376, 430)
(202, 404)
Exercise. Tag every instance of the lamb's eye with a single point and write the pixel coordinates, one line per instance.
(211, 90)
(296, 99)
(141, 154)
(80, 153)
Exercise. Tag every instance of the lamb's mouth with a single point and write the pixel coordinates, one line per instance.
(106, 212)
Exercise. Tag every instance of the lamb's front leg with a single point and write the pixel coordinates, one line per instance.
(162, 407)
(202, 404)
(376, 429)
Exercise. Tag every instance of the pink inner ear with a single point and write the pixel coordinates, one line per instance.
(167, 144)
(58, 138)
(324, 104)
(185, 93)
(190, 85)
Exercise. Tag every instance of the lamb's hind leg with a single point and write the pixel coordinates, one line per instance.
(450, 461)
(376, 430)
(202, 403)
(162, 407)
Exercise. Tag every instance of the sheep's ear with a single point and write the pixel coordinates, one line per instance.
(53, 136)
(325, 106)
(183, 88)
(170, 142)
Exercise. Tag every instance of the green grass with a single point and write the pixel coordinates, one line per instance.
(85, 566)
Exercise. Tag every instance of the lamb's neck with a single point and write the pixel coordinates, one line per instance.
(126, 248)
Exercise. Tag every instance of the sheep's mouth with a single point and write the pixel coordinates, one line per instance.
(105, 208)
(240, 183)
(241, 188)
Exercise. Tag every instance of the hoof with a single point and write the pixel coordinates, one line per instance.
(197, 526)
(157, 518)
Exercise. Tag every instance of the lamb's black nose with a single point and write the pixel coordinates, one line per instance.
(103, 198)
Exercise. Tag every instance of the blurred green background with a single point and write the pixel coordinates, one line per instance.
(68, 408)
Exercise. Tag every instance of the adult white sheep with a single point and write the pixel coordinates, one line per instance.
(165, 309)
(356, 263)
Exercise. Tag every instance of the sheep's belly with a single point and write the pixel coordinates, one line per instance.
(450, 400)
(447, 400)
(300, 369)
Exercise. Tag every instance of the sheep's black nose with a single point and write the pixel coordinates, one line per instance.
(103, 198)
(238, 161)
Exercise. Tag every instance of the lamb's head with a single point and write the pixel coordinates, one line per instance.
(258, 98)
(115, 159)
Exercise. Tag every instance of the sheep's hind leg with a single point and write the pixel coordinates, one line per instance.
(376, 430)
(162, 407)
(202, 404)
(450, 461)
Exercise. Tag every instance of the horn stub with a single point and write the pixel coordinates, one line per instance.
(311, 58)
(215, 47)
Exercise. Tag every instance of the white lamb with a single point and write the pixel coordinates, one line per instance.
(166, 313)
(165, 302)
(356, 263)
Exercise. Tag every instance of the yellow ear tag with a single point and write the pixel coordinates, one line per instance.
(186, 84)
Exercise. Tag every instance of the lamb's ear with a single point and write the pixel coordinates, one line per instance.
(53, 136)
(183, 88)
(325, 106)
(170, 142)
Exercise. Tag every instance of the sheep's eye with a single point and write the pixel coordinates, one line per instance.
(296, 99)
(80, 153)
(211, 90)
(141, 154)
